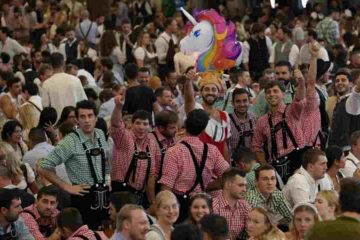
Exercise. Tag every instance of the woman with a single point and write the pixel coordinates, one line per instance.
(145, 54)
(21, 175)
(327, 203)
(259, 226)
(47, 121)
(167, 212)
(305, 215)
(200, 205)
(84, 51)
(67, 116)
(336, 161)
(46, 45)
(12, 137)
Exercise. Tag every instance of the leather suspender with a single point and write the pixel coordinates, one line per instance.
(243, 134)
(162, 150)
(198, 168)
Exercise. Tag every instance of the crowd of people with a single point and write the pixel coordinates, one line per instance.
(109, 132)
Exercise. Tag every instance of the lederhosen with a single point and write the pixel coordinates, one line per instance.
(184, 199)
(243, 134)
(46, 230)
(94, 205)
(124, 186)
(12, 235)
(162, 151)
(284, 165)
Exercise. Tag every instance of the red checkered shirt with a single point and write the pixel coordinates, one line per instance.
(166, 143)
(84, 231)
(311, 115)
(293, 116)
(32, 223)
(244, 126)
(235, 217)
(124, 148)
(179, 171)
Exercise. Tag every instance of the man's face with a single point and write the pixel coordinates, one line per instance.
(139, 225)
(112, 212)
(342, 84)
(280, 34)
(209, 94)
(140, 128)
(87, 120)
(237, 187)
(166, 98)
(46, 205)
(173, 26)
(70, 35)
(319, 168)
(171, 79)
(267, 182)
(355, 59)
(126, 28)
(12, 214)
(246, 79)
(270, 76)
(16, 89)
(241, 103)
(169, 131)
(283, 73)
(144, 78)
(274, 96)
(2, 36)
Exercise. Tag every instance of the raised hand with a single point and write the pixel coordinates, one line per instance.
(191, 75)
(314, 49)
(119, 101)
(298, 75)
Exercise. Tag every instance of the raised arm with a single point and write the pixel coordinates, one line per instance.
(300, 93)
(189, 91)
(116, 117)
(311, 80)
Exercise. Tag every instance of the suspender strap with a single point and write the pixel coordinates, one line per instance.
(162, 150)
(242, 134)
(87, 33)
(198, 169)
(37, 108)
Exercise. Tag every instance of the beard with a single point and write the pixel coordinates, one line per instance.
(208, 101)
(11, 218)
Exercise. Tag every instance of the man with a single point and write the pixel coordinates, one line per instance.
(214, 227)
(328, 28)
(45, 71)
(284, 49)
(242, 122)
(69, 47)
(83, 149)
(165, 46)
(305, 55)
(11, 225)
(71, 226)
(164, 99)
(29, 73)
(218, 129)
(134, 156)
(9, 45)
(116, 202)
(346, 226)
(171, 82)
(144, 76)
(304, 184)
(191, 165)
(107, 65)
(126, 41)
(231, 204)
(40, 217)
(266, 195)
(353, 159)
(10, 101)
(132, 223)
(354, 59)
(87, 30)
(61, 89)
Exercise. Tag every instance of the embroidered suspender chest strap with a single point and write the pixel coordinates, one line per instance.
(198, 168)
(162, 150)
(243, 134)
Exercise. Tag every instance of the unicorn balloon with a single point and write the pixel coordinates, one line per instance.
(213, 39)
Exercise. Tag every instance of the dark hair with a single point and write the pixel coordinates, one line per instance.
(312, 33)
(65, 114)
(7, 195)
(274, 83)
(107, 62)
(188, 69)
(349, 196)
(257, 28)
(286, 30)
(101, 124)
(344, 71)
(31, 88)
(168, 22)
(284, 63)
(48, 191)
(65, 128)
(120, 199)
(166, 117)
(140, 114)
(131, 71)
(9, 128)
(243, 154)
(57, 60)
(230, 174)
(186, 232)
(216, 226)
(5, 57)
(37, 135)
(105, 95)
(47, 115)
(311, 156)
(196, 122)
(90, 93)
(333, 153)
(69, 218)
(206, 197)
(79, 62)
(240, 91)
(12, 81)
(159, 91)
(26, 64)
(144, 69)
(6, 75)
(5, 30)
(265, 167)
(85, 104)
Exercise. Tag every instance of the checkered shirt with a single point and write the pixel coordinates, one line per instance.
(179, 171)
(84, 231)
(32, 223)
(328, 29)
(311, 115)
(244, 126)
(71, 152)
(250, 177)
(124, 148)
(236, 218)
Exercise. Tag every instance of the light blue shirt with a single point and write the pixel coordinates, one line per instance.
(106, 108)
(22, 231)
(83, 28)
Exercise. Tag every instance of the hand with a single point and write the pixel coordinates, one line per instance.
(56, 235)
(298, 75)
(49, 127)
(119, 101)
(191, 75)
(314, 49)
(79, 190)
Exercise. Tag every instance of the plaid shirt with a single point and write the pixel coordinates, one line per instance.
(179, 171)
(71, 152)
(236, 218)
(84, 231)
(262, 134)
(276, 203)
(250, 177)
(243, 126)
(32, 223)
(328, 29)
(311, 115)
(124, 148)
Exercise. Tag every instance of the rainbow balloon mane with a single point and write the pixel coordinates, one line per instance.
(221, 49)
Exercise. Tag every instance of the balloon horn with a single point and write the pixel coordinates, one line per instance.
(188, 16)
(272, 3)
(304, 2)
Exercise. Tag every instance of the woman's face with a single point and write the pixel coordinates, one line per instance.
(71, 118)
(322, 205)
(342, 161)
(168, 212)
(256, 224)
(146, 39)
(16, 135)
(303, 222)
(198, 209)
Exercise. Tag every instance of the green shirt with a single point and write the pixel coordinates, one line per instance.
(250, 176)
(71, 152)
(276, 203)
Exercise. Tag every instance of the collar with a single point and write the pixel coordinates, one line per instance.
(306, 174)
(72, 42)
(255, 166)
(191, 139)
(259, 195)
(84, 138)
(223, 203)
(343, 97)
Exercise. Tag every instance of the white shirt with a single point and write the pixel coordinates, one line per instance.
(89, 77)
(11, 47)
(351, 164)
(62, 90)
(293, 55)
(352, 105)
(305, 55)
(162, 46)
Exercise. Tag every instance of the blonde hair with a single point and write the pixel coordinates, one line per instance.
(125, 214)
(13, 165)
(304, 207)
(163, 196)
(332, 198)
(272, 233)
